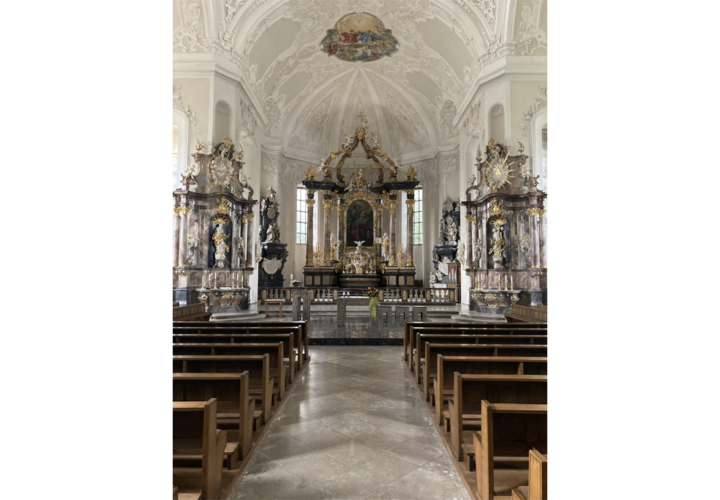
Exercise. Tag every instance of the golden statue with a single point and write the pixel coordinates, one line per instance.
(410, 174)
(310, 173)
(400, 257)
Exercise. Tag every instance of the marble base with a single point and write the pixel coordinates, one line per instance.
(398, 278)
(492, 302)
(359, 280)
(224, 299)
(533, 298)
(320, 277)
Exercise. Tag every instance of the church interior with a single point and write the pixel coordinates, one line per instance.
(379, 170)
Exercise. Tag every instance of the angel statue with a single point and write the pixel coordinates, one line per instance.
(273, 234)
(333, 247)
(325, 169)
(359, 245)
(460, 257)
(385, 248)
(394, 169)
(258, 251)
(220, 246)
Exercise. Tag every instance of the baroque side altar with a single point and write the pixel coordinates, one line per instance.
(360, 257)
(212, 246)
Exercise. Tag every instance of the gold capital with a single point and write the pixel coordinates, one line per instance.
(533, 212)
(310, 202)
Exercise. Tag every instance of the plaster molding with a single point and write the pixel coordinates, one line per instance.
(540, 103)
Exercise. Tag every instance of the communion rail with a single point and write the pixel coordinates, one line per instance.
(387, 295)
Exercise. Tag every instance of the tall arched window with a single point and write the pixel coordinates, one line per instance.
(418, 217)
(497, 123)
(302, 221)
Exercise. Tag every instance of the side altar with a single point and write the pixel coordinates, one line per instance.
(212, 245)
(360, 257)
(505, 254)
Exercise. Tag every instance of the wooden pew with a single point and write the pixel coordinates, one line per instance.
(195, 434)
(422, 338)
(234, 406)
(300, 334)
(305, 339)
(470, 390)
(414, 349)
(287, 339)
(257, 366)
(537, 479)
(409, 325)
(481, 347)
(525, 314)
(275, 351)
(193, 312)
(509, 435)
(478, 365)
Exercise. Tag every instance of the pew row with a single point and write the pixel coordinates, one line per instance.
(537, 479)
(193, 312)
(274, 351)
(415, 350)
(477, 339)
(525, 314)
(288, 340)
(444, 325)
(257, 366)
(235, 407)
(304, 337)
(504, 448)
(195, 434)
(477, 365)
(469, 391)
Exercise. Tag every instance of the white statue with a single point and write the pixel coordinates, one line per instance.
(385, 248)
(359, 245)
(451, 235)
(258, 251)
(478, 252)
(433, 280)
(220, 246)
(273, 234)
(460, 257)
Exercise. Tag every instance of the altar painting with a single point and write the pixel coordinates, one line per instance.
(359, 37)
(359, 224)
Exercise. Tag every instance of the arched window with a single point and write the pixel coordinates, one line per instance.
(302, 221)
(418, 217)
(497, 123)
(223, 114)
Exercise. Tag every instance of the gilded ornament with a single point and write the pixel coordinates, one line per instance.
(410, 174)
(183, 210)
(310, 173)
(176, 211)
(391, 261)
(227, 299)
(224, 207)
(328, 206)
(541, 213)
(491, 300)
(521, 148)
(310, 202)
(248, 218)
(202, 298)
(533, 212)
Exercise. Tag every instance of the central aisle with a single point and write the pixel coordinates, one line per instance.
(354, 427)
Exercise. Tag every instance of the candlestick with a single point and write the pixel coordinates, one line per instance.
(215, 280)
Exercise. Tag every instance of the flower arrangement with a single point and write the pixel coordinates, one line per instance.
(374, 294)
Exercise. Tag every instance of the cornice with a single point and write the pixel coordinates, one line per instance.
(193, 65)
(513, 67)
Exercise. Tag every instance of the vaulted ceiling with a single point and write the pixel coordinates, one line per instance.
(311, 99)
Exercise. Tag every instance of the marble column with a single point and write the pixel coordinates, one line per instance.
(341, 229)
(378, 230)
(541, 238)
(176, 235)
(392, 208)
(470, 241)
(483, 248)
(327, 207)
(248, 219)
(534, 236)
(409, 245)
(310, 246)
(182, 247)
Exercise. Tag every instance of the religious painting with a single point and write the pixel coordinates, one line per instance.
(359, 37)
(359, 224)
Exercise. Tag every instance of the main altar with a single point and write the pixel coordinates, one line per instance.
(360, 256)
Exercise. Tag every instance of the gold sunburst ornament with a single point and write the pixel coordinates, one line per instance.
(497, 173)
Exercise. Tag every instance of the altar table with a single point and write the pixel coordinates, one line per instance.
(342, 304)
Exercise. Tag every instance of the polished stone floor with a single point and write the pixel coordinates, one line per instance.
(354, 427)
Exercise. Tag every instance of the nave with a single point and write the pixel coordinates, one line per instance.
(459, 411)
(354, 427)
